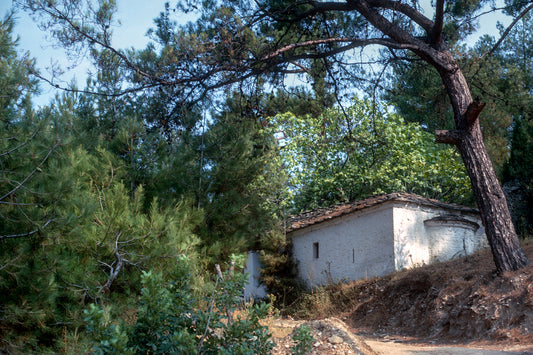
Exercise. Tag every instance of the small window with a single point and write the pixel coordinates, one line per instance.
(353, 256)
(315, 250)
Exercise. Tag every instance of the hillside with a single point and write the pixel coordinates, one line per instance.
(462, 301)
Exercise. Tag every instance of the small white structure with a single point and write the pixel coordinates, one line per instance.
(253, 289)
(380, 235)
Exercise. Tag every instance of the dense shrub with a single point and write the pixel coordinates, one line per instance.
(170, 319)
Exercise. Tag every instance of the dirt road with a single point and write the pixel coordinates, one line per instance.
(386, 348)
(333, 337)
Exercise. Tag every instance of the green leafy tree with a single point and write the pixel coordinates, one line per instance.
(341, 156)
(100, 240)
(519, 169)
(516, 87)
(29, 296)
(500, 74)
(70, 230)
(420, 97)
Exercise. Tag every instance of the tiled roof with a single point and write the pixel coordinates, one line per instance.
(306, 219)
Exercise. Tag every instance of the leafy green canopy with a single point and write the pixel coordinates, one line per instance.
(99, 241)
(365, 150)
(519, 169)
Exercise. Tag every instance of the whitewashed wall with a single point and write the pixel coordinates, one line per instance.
(420, 239)
(411, 246)
(253, 289)
(351, 247)
(382, 239)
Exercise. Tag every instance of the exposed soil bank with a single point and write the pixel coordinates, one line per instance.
(462, 301)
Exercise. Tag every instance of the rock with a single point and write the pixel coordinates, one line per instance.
(335, 339)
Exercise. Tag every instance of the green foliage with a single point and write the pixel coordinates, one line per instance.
(278, 270)
(240, 183)
(15, 81)
(92, 196)
(304, 341)
(31, 298)
(110, 229)
(97, 246)
(71, 230)
(519, 169)
(97, 189)
(520, 164)
(502, 80)
(337, 158)
(418, 95)
(171, 320)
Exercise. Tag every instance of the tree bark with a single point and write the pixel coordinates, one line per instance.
(492, 204)
(503, 240)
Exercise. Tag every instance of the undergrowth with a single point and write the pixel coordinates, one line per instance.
(170, 320)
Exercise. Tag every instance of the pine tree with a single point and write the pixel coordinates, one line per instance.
(241, 181)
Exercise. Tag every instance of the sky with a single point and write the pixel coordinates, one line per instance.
(136, 17)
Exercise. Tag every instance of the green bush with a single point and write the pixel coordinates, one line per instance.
(304, 341)
(171, 320)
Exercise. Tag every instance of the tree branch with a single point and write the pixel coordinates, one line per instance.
(115, 94)
(28, 233)
(2, 237)
(20, 145)
(229, 275)
(353, 43)
(211, 305)
(473, 111)
(115, 271)
(436, 33)
(37, 168)
(398, 6)
(419, 47)
(407, 10)
(453, 137)
(507, 30)
(56, 13)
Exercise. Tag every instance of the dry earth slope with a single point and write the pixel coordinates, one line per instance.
(462, 301)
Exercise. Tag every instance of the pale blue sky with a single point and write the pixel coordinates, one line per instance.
(136, 17)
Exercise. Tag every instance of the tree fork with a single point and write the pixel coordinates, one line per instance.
(453, 137)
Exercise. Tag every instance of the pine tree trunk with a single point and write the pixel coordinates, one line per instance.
(492, 204)
(503, 240)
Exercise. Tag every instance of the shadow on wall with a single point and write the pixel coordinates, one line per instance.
(445, 237)
(451, 236)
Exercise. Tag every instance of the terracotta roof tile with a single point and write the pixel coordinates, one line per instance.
(309, 218)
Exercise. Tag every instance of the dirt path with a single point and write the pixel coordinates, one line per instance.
(386, 348)
(332, 336)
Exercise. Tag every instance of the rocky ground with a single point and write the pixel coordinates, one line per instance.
(333, 337)
(457, 307)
